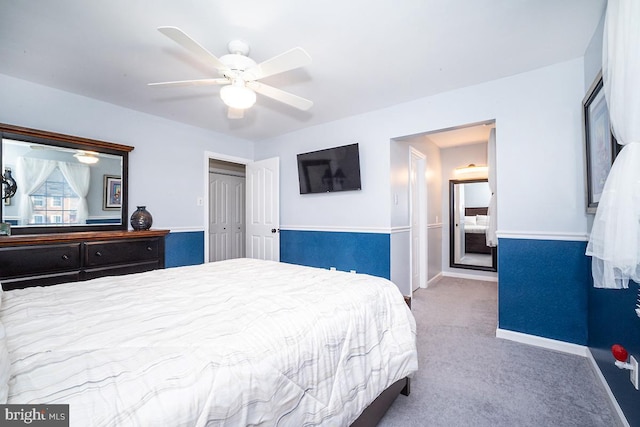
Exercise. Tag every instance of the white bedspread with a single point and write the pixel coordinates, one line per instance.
(238, 342)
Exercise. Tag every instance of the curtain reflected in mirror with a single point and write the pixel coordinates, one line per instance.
(468, 225)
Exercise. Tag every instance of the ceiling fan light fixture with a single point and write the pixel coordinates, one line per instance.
(238, 96)
(87, 157)
(472, 169)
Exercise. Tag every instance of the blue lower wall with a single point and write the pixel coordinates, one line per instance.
(543, 288)
(612, 320)
(184, 249)
(364, 252)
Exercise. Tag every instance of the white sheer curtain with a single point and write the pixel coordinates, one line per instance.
(30, 174)
(492, 239)
(614, 243)
(78, 178)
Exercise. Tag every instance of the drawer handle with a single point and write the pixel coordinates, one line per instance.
(65, 257)
(149, 248)
(98, 253)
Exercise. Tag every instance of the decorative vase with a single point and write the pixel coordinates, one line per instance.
(141, 219)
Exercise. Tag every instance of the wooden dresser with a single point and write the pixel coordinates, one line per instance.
(48, 259)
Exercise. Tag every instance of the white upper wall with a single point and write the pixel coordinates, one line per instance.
(593, 55)
(350, 210)
(539, 153)
(400, 179)
(167, 166)
(477, 195)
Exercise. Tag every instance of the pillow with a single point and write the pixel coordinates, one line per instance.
(5, 366)
(482, 220)
(470, 220)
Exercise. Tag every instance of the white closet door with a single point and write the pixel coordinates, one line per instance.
(226, 217)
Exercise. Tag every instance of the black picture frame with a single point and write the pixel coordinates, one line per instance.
(601, 146)
(112, 199)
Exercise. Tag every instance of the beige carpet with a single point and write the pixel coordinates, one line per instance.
(468, 377)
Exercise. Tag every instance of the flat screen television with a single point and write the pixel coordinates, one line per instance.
(329, 170)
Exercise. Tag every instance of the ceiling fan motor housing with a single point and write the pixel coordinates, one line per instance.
(239, 47)
(236, 63)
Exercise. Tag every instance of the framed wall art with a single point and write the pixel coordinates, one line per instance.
(601, 146)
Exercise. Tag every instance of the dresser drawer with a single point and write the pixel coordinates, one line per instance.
(118, 270)
(120, 251)
(32, 260)
(42, 280)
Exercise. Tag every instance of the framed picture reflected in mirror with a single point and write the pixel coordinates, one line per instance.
(112, 192)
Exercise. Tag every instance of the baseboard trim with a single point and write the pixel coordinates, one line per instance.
(605, 384)
(470, 276)
(548, 343)
(434, 280)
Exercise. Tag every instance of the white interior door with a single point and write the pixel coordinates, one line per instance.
(226, 217)
(263, 209)
(417, 216)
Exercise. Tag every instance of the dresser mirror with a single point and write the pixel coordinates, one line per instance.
(63, 183)
(468, 225)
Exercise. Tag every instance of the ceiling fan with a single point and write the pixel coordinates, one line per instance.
(240, 74)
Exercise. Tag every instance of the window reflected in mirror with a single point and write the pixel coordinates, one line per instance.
(469, 222)
(54, 202)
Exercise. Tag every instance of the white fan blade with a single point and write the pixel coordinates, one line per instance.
(294, 58)
(280, 95)
(235, 113)
(199, 82)
(180, 37)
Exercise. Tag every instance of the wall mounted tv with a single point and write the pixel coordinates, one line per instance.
(330, 170)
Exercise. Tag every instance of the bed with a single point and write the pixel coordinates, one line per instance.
(236, 342)
(476, 223)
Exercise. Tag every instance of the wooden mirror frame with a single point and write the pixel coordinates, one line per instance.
(78, 143)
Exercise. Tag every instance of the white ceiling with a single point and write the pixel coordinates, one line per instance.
(464, 135)
(366, 54)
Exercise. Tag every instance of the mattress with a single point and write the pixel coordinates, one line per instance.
(237, 342)
(475, 229)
